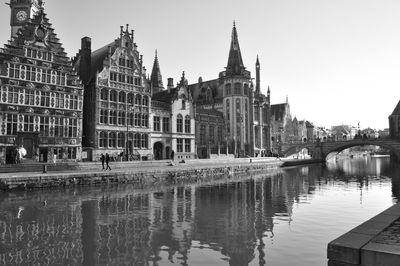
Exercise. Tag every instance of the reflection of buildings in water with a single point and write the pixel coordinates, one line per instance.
(171, 222)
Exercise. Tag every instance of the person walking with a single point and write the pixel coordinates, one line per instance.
(102, 159)
(107, 162)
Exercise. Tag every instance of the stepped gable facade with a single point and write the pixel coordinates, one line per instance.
(41, 96)
(117, 98)
(245, 110)
(173, 117)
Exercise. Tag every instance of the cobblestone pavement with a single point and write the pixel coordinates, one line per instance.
(390, 236)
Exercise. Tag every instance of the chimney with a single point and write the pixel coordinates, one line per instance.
(170, 84)
(85, 59)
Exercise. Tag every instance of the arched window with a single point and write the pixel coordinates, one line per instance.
(113, 117)
(121, 139)
(103, 140)
(238, 88)
(131, 98)
(131, 119)
(121, 118)
(145, 100)
(145, 141)
(179, 123)
(103, 116)
(113, 96)
(145, 120)
(228, 89)
(121, 97)
(138, 99)
(112, 141)
(187, 124)
(246, 89)
(138, 117)
(136, 140)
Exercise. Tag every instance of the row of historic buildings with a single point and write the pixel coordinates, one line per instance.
(104, 101)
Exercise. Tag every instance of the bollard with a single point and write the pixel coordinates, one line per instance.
(44, 168)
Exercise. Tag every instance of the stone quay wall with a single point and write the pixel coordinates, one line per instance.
(175, 174)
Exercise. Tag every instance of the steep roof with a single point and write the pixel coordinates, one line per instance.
(99, 55)
(396, 110)
(165, 96)
(235, 62)
(156, 78)
(278, 111)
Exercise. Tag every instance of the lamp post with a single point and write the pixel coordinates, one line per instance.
(130, 105)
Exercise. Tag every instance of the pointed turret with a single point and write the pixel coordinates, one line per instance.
(156, 78)
(235, 63)
(258, 86)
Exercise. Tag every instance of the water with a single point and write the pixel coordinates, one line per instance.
(285, 219)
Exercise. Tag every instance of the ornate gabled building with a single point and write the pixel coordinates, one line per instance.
(117, 98)
(246, 112)
(173, 121)
(41, 96)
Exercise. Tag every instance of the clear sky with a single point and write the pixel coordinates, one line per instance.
(338, 61)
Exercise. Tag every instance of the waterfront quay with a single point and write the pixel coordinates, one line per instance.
(141, 173)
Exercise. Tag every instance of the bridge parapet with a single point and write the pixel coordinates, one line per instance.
(319, 150)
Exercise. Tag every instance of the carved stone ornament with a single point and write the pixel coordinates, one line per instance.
(12, 108)
(15, 60)
(46, 111)
(29, 110)
(46, 87)
(72, 141)
(11, 140)
(30, 86)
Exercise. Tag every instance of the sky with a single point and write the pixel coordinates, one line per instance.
(337, 61)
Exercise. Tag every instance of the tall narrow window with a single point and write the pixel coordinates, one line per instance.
(228, 89)
(179, 123)
(179, 145)
(165, 124)
(187, 124)
(156, 123)
(187, 145)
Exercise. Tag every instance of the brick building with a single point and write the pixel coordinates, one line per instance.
(41, 95)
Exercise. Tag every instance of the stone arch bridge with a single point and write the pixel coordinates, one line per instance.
(320, 150)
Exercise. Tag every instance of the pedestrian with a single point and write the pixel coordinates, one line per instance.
(102, 159)
(172, 155)
(107, 162)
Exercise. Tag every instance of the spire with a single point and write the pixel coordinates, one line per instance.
(258, 86)
(235, 63)
(156, 78)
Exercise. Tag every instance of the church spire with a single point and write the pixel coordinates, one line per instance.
(258, 86)
(156, 78)
(235, 63)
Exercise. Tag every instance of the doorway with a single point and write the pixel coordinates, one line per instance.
(157, 149)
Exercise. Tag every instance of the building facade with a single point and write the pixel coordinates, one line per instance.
(41, 95)
(117, 99)
(245, 110)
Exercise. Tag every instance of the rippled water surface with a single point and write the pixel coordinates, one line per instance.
(284, 219)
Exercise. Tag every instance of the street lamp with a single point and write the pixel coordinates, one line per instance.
(130, 105)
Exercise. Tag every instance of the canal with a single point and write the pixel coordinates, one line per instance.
(286, 218)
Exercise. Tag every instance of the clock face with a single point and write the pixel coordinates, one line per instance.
(21, 15)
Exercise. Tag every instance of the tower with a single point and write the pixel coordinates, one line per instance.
(22, 11)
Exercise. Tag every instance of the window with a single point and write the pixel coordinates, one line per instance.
(138, 117)
(73, 102)
(165, 124)
(136, 140)
(12, 121)
(211, 134)
(202, 134)
(179, 123)
(238, 88)
(45, 98)
(219, 134)
(59, 127)
(187, 145)
(131, 98)
(113, 96)
(113, 76)
(112, 141)
(121, 97)
(14, 71)
(228, 107)
(131, 119)
(228, 89)
(71, 152)
(113, 117)
(179, 145)
(145, 120)
(187, 124)
(121, 78)
(29, 123)
(121, 118)
(103, 140)
(145, 101)
(12, 95)
(246, 89)
(138, 99)
(44, 126)
(121, 139)
(103, 116)
(156, 123)
(73, 128)
(144, 141)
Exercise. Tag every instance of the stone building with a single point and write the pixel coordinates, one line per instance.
(245, 110)
(41, 95)
(173, 119)
(117, 99)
